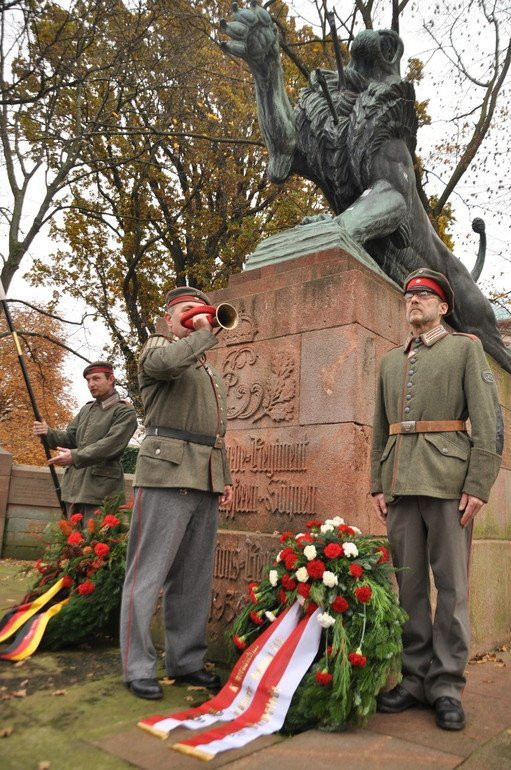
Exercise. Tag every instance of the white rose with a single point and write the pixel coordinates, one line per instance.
(273, 577)
(350, 549)
(329, 579)
(299, 535)
(337, 521)
(327, 528)
(356, 530)
(270, 616)
(310, 552)
(325, 620)
(278, 556)
(302, 575)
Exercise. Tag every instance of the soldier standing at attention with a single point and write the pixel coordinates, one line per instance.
(181, 476)
(429, 480)
(91, 446)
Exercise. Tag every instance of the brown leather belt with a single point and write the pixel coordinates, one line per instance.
(425, 426)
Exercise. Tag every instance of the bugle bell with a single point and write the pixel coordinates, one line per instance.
(223, 315)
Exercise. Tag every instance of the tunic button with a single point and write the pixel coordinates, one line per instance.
(409, 384)
(417, 339)
(445, 450)
(407, 409)
(411, 371)
(157, 451)
(408, 397)
(413, 360)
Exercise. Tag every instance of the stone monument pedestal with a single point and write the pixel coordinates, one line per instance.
(302, 368)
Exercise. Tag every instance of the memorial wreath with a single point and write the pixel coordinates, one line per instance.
(78, 585)
(332, 568)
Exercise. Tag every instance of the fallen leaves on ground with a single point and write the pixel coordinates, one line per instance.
(487, 657)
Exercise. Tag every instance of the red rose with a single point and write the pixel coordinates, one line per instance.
(239, 641)
(290, 560)
(286, 536)
(356, 570)
(310, 608)
(110, 521)
(87, 587)
(304, 590)
(385, 555)
(75, 538)
(76, 518)
(333, 550)
(91, 525)
(329, 650)
(315, 568)
(288, 582)
(67, 581)
(346, 530)
(251, 591)
(256, 618)
(313, 523)
(339, 604)
(357, 660)
(101, 549)
(363, 593)
(304, 539)
(282, 596)
(38, 566)
(323, 677)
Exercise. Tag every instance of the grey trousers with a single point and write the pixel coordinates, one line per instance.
(171, 546)
(426, 531)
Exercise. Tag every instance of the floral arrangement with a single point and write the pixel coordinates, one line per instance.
(91, 561)
(347, 575)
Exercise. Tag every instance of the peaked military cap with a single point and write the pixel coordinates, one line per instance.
(99, 366)
(424, 278)
(185, 294)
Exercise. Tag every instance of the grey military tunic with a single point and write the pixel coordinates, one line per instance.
(97, 437)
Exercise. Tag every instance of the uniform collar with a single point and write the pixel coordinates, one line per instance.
(109, 401)
(428, 338)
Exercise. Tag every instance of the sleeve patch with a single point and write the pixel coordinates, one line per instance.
(488, 376)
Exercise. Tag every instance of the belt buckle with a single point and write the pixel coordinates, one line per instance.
(408, 426)
(219, 442)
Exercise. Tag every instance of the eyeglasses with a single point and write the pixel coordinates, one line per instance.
(422, 294)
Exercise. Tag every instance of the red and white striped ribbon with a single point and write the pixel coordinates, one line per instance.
(237, 694)
(268, 708)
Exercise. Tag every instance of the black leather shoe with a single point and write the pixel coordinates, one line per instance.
(449, 714)
(146, 688)
(201, 678)
(396, 700)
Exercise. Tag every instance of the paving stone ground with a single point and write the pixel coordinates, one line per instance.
(70, 710)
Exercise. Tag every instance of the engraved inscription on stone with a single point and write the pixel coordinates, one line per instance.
(269, 457)
(272, 394)
(258, 466)
(234, 568)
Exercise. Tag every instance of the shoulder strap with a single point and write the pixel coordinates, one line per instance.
(463, 334)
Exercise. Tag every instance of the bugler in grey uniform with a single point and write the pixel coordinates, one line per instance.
(430, 471)
(181, 470)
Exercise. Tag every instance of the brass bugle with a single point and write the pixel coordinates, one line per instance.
(223, 315)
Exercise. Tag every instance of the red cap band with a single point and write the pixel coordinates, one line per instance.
(184, 298)
(427, 283)
(92, 370)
